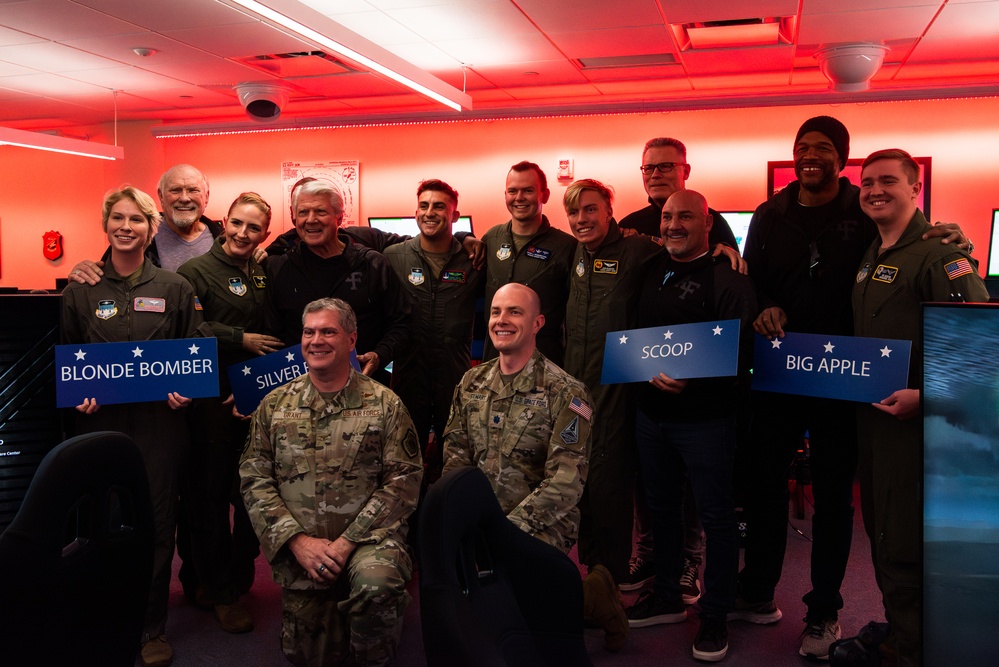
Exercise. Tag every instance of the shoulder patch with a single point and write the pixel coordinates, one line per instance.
(570, 434)
(580, 407)
(958, 268)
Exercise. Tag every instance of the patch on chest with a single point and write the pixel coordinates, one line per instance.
(362, 412)
(148, 304)
(236, 286)
(106, 310)
(504, 252)
(885, 273)
(608, 266)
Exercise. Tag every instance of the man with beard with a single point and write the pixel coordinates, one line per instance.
(187, 232)
(803, 247)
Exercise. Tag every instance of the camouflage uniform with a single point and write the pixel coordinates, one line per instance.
(348, 467)
(530, 436)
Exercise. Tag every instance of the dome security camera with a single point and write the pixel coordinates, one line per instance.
(263, 102)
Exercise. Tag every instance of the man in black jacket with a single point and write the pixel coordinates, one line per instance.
(327, 263)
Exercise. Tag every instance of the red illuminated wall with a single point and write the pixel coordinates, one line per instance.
(728, 151)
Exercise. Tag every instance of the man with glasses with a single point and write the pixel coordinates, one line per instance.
(664, 171)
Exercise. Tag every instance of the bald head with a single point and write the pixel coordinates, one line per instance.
(685, 225)
(514, 321)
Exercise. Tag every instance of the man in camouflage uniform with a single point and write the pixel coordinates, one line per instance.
(525, 422)
(331, 473)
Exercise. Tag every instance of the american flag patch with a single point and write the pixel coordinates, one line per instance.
(581, 408)
(958, 268)
(197, 304)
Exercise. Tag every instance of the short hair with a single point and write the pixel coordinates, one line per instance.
(253, 199)
(524, 165)
(177, 167)
(143, 201)
(577, 188)
(437, 185)
(665, 141)
(348, 321)
(909, 165)
(317, 187)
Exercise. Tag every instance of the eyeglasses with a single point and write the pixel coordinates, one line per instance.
(663, 167)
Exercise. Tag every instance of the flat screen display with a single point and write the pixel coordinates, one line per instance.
(994, 246)
(961, 484)
(408, 227)
(739, 222)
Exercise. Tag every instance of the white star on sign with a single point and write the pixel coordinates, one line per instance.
(193, 349)
(246, 370)
(775, 344)
(717, 330)
(290, 356)
(80, 355)
(623, 340)
(668, 335)
(829, 346)
(137, 352)
(885, 352)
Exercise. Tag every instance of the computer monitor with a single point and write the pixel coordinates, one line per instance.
(408, 227)
(993, 269)
(960, 484)
(739, 222)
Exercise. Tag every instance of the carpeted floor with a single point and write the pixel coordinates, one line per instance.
(199, 641)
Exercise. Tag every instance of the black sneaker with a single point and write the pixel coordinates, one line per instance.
(763, 613)
(689, 585)
(651, 609)
(711, 643)
(641, 572)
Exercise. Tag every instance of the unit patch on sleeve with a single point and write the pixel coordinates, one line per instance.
(570, 434)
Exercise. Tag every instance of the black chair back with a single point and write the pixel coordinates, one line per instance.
(76, 562)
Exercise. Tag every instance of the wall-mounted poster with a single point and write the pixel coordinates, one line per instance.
(341, 174)
(781, 172)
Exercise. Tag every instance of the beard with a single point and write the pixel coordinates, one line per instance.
(184, 219)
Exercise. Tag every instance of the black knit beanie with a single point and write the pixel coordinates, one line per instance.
(833, 129)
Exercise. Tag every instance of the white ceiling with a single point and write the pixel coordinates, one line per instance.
(67, 63)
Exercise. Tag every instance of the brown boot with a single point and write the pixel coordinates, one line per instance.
(234, 617)
(156, 652)
(602, 603)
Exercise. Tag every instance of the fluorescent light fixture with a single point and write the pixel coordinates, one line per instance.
(47, 142)
(291, 14)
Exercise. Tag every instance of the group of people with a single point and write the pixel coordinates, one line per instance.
(331, 466)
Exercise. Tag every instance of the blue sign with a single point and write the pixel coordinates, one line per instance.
(254, 379)
(850, 368)
(136, 371)
(699, 350)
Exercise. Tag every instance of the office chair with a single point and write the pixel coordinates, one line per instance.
(490, 594)
(76, 562)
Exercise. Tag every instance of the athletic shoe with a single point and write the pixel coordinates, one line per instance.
(602, 603)
(763, 613)
(652, 609)
(818, 635)
(711, 643)
(641, 573)
(689, 586)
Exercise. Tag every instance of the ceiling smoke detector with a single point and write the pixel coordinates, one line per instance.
(850, 67)
(263, 102)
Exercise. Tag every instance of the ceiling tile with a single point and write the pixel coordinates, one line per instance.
(170, 15)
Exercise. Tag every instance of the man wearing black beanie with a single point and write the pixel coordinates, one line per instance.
(804, 247)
